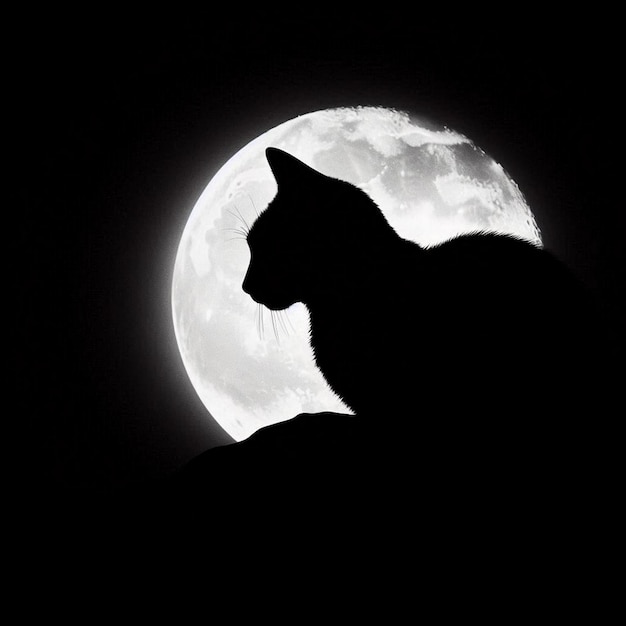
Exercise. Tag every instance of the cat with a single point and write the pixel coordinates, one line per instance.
(462, 333)
(471, 453)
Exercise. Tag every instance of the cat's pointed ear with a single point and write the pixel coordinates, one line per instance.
(288, 171)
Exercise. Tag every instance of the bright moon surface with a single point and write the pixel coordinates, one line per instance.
(251, 370)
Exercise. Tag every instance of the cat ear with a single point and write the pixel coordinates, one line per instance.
(288, 171)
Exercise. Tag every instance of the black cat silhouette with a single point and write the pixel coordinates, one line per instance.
(479, 453)
(465, 332)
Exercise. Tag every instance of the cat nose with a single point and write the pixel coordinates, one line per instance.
(246, 283)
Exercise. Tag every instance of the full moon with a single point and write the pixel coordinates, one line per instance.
(252, 368)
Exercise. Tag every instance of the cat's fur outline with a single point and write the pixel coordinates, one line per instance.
(325, 243)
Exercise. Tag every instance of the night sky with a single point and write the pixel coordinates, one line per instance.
(122, 122)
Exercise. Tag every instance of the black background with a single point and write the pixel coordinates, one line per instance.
(122, 120)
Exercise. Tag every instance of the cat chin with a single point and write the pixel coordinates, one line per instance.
(274, 305)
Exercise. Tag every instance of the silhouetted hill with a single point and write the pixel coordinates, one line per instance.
(494, 511)
(328, 507)
(343, 461)
(310, 457)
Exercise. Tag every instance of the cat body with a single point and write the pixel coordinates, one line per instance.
(483, 322)
(423, 322)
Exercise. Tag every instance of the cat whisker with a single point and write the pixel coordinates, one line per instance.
(253, 205)
(261, 312)
(241, 217)
(245, 228)
(281, 321)
(274, 326)
(241, 234)
(259, 322)
(289, 321)
(243, 220)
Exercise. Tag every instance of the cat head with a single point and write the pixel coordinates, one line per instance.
(314, 234)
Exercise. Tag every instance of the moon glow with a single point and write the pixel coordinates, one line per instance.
(250, 368)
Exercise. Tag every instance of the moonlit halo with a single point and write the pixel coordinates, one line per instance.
(252, 368)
